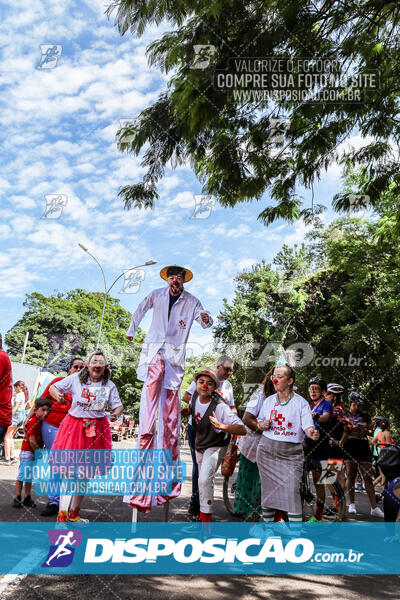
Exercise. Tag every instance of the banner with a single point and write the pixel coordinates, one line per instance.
(192, 548)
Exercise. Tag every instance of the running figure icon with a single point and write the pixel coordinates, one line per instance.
(63, 546)
(62, 550)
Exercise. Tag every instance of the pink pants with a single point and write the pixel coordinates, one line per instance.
(155, 399)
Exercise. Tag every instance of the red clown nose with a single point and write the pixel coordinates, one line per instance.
(275, 380)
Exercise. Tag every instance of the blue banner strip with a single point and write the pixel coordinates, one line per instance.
(192, 548)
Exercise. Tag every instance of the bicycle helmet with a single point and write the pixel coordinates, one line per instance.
(378, 418)
(356, 397)
(335, 388)
(318, 381)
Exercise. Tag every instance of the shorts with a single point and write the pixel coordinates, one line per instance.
(316, 450)
(17, 419)
(357, 450)
(24, 457)
(335, 451)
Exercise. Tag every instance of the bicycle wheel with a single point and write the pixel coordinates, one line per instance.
(229, 491)
(339, 491)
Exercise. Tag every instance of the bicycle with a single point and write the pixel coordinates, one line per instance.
(388, 462)
(328, 470)
(229, 481)
(229, 491)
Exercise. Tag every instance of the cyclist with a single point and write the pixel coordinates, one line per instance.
(391, 502)
(357, 453)
(334, 394)
(383, 437)
(389, 478)
(317, 451)
(375, 450)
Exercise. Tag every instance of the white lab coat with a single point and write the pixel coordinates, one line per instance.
(168, 337)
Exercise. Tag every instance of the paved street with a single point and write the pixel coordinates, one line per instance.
(304, 587)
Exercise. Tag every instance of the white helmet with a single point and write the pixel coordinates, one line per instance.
(335, 388)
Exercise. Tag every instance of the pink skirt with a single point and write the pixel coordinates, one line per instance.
(71, 435)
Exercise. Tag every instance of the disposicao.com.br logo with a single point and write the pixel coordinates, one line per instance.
(212, 550)
(191, 550)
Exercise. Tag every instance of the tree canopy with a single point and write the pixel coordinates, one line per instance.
(242, 146)
(341, 319)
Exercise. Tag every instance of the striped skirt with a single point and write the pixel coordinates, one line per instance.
(280, 465)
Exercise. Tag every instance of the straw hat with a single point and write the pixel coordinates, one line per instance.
(188, 274)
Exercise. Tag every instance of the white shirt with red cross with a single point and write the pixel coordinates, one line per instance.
(288, 421)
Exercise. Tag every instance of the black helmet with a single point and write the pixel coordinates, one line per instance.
(356, 397)
(318, 381)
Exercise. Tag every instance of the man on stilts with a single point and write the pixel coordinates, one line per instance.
(162, 366)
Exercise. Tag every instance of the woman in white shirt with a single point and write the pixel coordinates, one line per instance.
(283, 420)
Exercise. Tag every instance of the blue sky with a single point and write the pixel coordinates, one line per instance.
(58, 137)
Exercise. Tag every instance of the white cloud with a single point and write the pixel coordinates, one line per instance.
(183, 200)
(232, 232)
(23, 202)
(16, 280)
(5, 231)
(170, 182)
(246, 263)
(298, 235)
(212, 291)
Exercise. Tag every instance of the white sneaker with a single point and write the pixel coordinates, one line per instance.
(352, 509)
(377, 512)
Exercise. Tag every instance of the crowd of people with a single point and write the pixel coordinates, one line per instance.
(286, 433)
(280, 433)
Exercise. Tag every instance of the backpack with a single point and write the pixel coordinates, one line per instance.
(389, 461)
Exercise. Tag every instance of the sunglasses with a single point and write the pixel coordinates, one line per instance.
(79, 367)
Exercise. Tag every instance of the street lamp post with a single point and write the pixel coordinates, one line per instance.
(107, 291)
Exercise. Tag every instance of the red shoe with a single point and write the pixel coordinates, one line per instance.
(74, 516)
(205, 517)
(62, 516)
